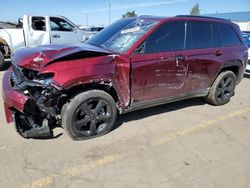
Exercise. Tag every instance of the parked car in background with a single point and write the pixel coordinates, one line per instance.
(133, 64)
(246, 36)
(247, 72)
(38, 30)
(90, 32)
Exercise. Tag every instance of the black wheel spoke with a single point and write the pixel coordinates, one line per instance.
(219, 92)
(99, 105)
(229, 88)
(85, 108)
(93, 128)
(222, 82)
(228, 82)
(80, 123)
(225, 96)
(104, 118)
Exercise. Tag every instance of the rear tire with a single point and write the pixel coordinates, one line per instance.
(2, 62)
(89, 114)
(222, 89)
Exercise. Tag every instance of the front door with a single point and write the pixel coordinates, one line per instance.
(159, 65)
(62, 32)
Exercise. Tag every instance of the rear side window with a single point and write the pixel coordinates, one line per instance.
(228, 35)
(38, 24)
(203, 35)
(168, 37)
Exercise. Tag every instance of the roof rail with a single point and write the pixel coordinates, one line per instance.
(191, 16)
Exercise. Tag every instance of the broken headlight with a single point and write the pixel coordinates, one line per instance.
(44, 79)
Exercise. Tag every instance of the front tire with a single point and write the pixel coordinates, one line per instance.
(89, 114)
(222, 89)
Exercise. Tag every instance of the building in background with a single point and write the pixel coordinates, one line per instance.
(240, 18)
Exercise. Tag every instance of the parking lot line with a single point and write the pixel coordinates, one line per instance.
(202, 125)
(50, 179)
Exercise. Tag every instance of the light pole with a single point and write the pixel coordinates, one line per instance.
(87, 18)
(109, 12)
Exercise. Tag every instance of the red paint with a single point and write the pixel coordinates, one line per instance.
(12, 98)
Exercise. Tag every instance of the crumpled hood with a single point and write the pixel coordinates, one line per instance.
(38, 57)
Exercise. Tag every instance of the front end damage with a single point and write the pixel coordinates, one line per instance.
(39, 113)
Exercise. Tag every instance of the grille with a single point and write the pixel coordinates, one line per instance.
(248, 62)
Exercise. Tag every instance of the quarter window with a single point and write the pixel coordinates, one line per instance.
(228, 35)
(168, 37)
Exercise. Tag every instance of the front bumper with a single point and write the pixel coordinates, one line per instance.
(13, 100)
(30, 120)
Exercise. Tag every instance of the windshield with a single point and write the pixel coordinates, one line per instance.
(122, 35)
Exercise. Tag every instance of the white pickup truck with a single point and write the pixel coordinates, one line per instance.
(38, 30)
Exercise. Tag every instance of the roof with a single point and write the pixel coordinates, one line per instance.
(233, 16)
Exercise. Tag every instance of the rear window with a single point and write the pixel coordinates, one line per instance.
(228, 35)
(203, 35)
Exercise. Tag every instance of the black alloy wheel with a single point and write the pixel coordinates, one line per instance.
(225, 89)
(222, 89)
(92, 117)
(89, 114)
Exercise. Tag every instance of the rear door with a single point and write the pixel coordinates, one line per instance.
(62, 32)
(159, 68)
(36, 31)
(205, 54)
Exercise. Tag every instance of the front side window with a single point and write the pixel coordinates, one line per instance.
(168, 37)
(59, 24)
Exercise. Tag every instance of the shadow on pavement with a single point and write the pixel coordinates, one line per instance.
(140, 114)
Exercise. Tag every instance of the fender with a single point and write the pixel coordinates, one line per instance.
(110, 69)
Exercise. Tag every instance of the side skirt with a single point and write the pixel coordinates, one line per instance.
(157, 102)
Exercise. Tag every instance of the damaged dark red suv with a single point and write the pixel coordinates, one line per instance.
(135, 63)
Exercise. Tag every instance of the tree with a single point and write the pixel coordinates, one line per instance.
(129, 14)
(195, 11)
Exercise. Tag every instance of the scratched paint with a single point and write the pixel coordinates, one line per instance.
(50, 179)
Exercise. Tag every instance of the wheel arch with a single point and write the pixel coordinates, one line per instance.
(235, 66)
(105, 86)
(4, 48)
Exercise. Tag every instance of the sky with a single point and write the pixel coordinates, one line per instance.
(95, 12)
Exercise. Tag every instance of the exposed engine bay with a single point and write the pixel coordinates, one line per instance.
(42, 110)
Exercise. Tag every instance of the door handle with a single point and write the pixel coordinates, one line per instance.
(179, 58)
(218, 53)
(56, 36)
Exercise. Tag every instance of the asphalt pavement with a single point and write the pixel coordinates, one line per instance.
(178, 145)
